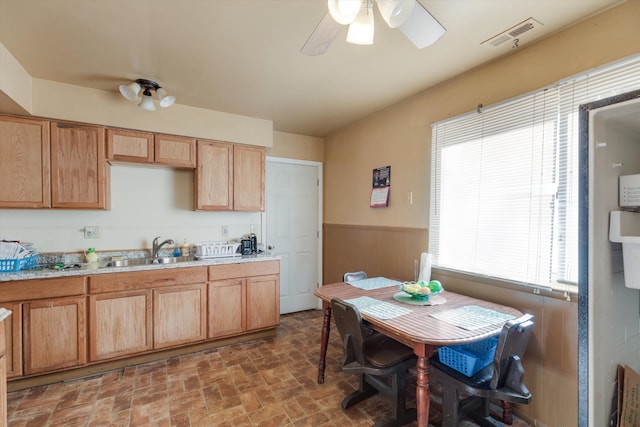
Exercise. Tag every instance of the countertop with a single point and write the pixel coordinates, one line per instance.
(88, 269)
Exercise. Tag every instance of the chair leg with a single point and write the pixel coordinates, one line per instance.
(486, 418)
(449, 406)
(507, 413)
(400, 414)
(364, 392)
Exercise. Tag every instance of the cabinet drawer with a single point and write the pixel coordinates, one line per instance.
(146, 279)
(231, 271)
(24, 290)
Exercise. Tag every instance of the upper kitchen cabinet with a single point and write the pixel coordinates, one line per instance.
(213, 179)
(147, 147)
(129, 146)
(178, 151)
(229, 177)
(24, 163)
(79, 171)
(248, 178)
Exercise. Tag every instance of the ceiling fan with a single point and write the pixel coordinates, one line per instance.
(408, 16)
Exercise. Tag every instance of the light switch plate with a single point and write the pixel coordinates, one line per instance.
(91, 232)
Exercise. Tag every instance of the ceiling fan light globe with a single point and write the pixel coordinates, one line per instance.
(344, 11)
(395, 12)
(147, 103)
(422, 29)
(130, 91)
(164, 99)
(361, 29)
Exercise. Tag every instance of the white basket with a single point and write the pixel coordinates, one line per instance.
(216, 249)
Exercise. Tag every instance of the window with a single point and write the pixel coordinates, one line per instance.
(504, 198)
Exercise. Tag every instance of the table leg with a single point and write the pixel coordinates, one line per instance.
(424, 352)
(324, 341)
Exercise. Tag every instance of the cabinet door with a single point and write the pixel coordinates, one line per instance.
(78, 167)
(3, 391)
(226, 308)
(129, 146)
(13, 339)
(263, 302)
(213, 179)
(54, 334)
(119, 324)
(179, 315)
(24, 163)
(176, 151)
(248, 178)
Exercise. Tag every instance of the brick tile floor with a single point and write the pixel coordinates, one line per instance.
(264, 382)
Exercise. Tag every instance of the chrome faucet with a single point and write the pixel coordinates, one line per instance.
(156, 247)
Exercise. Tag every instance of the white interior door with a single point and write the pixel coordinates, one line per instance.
(293, 221)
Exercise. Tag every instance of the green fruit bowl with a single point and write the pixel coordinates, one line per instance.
(421, 291)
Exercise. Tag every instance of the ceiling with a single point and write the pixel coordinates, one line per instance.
(243, 56)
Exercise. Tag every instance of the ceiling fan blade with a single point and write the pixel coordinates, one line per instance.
(422, 29)
(322, 36)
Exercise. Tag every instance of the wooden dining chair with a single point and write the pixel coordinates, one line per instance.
(380, 362)
(501, 380)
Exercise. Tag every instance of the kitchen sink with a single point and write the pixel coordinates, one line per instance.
(148, 261)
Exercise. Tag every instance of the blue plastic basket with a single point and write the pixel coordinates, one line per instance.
(12, 265)
(469, 358)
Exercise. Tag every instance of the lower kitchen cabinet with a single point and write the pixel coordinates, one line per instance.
(13, 339)
(4, 317)
(119, 324)
(3, 390)
(54, 334)
(227, 307)
(58, 324)
(179, 315)
(263, 302)
(243, 298)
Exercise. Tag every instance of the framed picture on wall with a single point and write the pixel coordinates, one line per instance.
(381, 183)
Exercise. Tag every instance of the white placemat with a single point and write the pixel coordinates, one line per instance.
(472, 317)
(374, 283)
(378, 309)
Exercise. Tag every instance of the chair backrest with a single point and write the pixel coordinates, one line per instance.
(354, 276)
(513, 340)
(349, 324)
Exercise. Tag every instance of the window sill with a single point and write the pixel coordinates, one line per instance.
(565, 292)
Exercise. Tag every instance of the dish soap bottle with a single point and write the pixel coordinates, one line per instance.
(184, 249)
(91, 255)
(176, 251)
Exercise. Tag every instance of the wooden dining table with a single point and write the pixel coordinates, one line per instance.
(417, 329)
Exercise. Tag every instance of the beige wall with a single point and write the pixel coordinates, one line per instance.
(400, 136)
(69, 102)
(15, 84)
(295, 146)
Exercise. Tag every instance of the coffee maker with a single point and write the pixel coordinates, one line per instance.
(249, 244)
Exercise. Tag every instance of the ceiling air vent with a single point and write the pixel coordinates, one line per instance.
(514, 33)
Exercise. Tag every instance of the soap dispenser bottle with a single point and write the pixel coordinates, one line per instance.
(184, 249)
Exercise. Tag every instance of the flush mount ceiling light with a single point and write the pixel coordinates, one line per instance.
(408, 16)
(132, 93)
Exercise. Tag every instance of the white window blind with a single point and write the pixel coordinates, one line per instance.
(504, 195)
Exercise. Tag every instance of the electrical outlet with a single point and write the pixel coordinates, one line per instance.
(225, 230)
(252, 228)
(91, 232)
